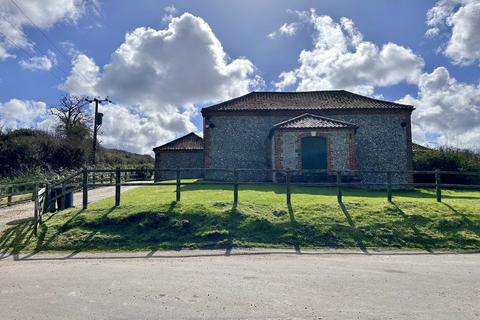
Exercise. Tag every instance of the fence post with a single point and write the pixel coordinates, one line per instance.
(438, 189)
(339, 187)
(287, 182)
(389, 186)
(9, 197)
(117, 187)
(35, 210)
(62, 198)
(51, 206)
(46, 202)
(235, 186)
(177, 191)
(85, 189)
(111, 177)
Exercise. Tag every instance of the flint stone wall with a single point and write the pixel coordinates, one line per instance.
(244, 141)
(178, 159)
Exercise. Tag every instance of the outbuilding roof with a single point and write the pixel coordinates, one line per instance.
(311, 121)
(189, 142)
(306, 101)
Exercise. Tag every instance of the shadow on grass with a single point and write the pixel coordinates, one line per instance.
(411, 222)
(177, 226)
(355, 231)
(173, 228)
(296, 238)
(466, 220)
(14, 240)
(66, 226)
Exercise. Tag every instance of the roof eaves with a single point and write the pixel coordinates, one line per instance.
(165, 146)
(225, 103)
(347, 124)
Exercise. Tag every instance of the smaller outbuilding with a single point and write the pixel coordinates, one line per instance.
(184, 152)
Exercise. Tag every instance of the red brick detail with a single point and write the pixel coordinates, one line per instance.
(278, 156)
(278, 151)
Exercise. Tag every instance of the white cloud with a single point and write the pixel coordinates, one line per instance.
(157, 75)
(70, 48)
(17, 113)
(124, 129)
(43, 63)
(83, 77)
(288, 80)
(170, 11)
(341, 59)
(286, 29)
(460, 19)
(43, 13)
(446, 109)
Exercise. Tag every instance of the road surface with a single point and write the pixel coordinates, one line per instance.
(242, 284)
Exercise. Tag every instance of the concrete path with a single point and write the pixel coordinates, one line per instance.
(21, 211)
(246, 284)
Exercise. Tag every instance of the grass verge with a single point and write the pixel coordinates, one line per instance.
(149, 218)
(16, 199)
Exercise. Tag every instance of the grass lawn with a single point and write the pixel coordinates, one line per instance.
(17, 198)
(149, 218)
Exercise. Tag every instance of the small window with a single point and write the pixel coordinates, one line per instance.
(403, 124)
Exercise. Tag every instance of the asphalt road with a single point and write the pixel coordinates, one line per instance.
(258, 284)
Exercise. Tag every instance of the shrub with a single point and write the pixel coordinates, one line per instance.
(447, 159)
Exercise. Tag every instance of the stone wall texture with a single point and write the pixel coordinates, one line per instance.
(244, 141)
(178, 159)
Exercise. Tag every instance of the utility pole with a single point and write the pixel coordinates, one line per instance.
(96, 124)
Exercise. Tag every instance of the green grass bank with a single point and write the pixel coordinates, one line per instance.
(149, 218)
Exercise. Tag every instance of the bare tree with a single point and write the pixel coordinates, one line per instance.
(73, 118)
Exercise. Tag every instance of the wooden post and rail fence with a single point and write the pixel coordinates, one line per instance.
(53, 195)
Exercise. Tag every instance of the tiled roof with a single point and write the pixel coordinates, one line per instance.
(309, 100)
(310, 121)
(189, 142)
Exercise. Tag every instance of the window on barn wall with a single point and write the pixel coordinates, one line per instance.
(314, 153)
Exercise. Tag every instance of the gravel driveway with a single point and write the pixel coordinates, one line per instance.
(21, 211)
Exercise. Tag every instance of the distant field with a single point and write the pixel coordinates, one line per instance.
(149, 218)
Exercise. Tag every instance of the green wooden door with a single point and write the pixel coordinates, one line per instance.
(314, 153)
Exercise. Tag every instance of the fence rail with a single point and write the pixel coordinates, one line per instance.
(234, 180)
(51, 196)
(9, 191)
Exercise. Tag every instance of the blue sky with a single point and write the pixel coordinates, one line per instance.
(437, 66)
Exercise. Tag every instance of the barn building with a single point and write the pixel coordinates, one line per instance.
(184, 152)
(332, 130)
